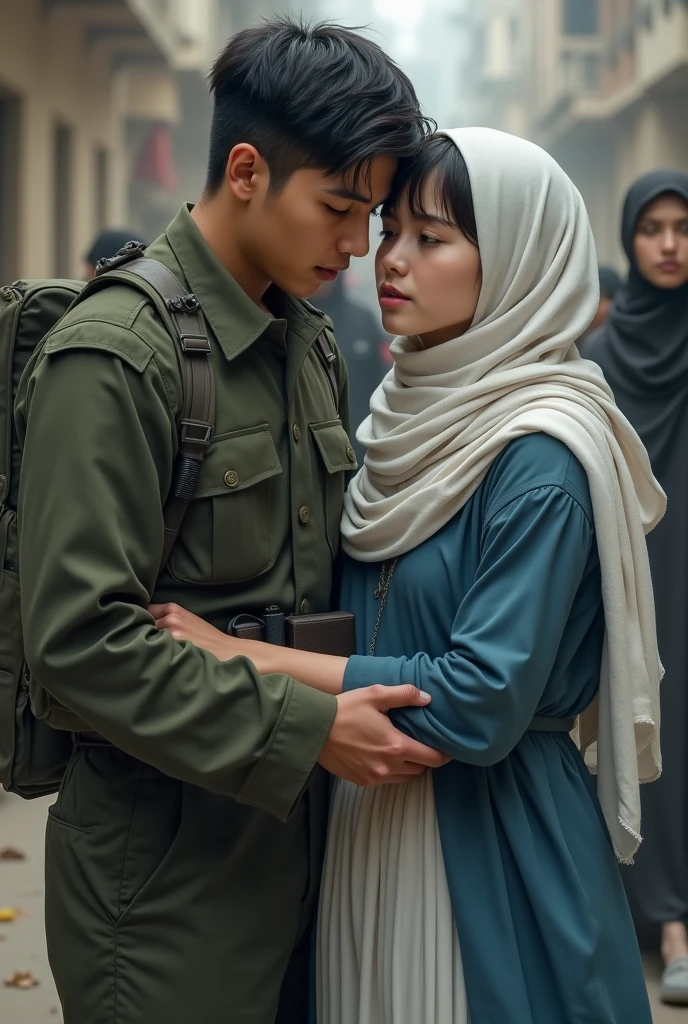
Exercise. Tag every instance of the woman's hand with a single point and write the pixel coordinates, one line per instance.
(184, 625)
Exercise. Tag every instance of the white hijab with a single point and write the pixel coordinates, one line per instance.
(442, 415)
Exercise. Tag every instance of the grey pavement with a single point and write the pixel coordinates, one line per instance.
(22, 945)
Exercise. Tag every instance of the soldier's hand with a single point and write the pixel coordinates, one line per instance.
(363, 745)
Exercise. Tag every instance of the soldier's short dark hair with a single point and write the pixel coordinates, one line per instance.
(310, 95)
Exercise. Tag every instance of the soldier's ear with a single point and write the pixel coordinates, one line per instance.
(246, 173)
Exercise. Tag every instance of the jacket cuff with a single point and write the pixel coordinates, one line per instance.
(281, 778)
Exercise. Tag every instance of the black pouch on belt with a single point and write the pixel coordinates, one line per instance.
(322, 633)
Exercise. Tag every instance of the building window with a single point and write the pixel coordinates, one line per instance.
(62, 200)
(9, 186)
(101, 189)
(581, 17)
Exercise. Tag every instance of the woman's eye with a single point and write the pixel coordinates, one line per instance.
(386, 234)
(429, 240)
(338, 213)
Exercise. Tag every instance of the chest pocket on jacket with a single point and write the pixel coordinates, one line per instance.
(338, 458)
(227, 534)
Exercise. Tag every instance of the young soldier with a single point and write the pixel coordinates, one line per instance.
(183, 853)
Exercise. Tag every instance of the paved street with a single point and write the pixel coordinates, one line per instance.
(22, 946)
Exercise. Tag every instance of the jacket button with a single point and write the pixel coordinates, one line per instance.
(304, 514)
(296, 431)
(305, 606)
(231, 478)
(350, 454)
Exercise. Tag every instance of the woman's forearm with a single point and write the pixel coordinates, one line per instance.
(319, 671)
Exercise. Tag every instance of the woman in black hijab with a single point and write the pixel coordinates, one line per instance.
(643, 351)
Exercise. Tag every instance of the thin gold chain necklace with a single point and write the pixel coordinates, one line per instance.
(381, 593)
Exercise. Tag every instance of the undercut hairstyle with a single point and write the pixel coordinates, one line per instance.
(310, 96)
(438, 172)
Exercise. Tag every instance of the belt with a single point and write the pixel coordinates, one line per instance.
(545, 723)
(541, 723)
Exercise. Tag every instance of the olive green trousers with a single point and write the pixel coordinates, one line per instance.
(167, 904)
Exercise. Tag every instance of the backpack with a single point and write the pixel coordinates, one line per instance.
(33, 755)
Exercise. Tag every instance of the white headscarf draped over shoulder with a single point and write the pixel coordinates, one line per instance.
(442, 415)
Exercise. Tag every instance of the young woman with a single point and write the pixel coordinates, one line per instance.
(643, 351)
(496, 559)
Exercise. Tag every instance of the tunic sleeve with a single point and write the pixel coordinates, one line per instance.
(505, 636)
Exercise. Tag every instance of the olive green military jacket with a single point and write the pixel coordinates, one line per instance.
(96, 412)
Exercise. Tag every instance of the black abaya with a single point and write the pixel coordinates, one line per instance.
(643, 351)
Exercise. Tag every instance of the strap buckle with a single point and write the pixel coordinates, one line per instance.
(195, 432)
(195, 344)
(184, 303)
(131, 251)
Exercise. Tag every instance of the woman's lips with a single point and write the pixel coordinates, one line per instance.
(391, 298)
(669, 266)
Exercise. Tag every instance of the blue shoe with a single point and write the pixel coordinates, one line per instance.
(674, 985)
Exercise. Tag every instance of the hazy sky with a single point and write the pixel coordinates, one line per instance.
(422, 35)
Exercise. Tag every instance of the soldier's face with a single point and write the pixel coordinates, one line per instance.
(307, 233)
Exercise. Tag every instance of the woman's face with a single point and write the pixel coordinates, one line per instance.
(428, 274)
(660, 244)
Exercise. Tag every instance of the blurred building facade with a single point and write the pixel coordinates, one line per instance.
(92, 97)
(601, 84)
(494, 63)
(607, 96)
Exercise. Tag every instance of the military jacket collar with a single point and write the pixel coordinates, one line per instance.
(236, 321)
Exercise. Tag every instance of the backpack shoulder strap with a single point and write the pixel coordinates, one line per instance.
(198, 416)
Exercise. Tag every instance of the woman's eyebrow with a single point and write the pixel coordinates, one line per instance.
(435, 219)
(659, 221)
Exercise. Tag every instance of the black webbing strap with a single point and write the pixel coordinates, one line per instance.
(198, 416)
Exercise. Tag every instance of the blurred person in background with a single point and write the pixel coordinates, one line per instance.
(361, 341)
(643, 351)
(610, 282)
(104, 245)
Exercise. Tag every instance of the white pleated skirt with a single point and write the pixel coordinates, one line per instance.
(388, 951)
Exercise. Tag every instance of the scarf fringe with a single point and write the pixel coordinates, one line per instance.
(638, 838)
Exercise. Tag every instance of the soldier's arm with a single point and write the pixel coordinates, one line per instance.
(98, 451)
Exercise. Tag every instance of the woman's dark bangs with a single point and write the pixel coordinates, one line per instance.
(441, 166)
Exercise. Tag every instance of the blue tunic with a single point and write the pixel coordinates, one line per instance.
(504, 604)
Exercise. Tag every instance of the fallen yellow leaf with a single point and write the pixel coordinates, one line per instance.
(21, 979)
(7, 914)
(12, 853)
